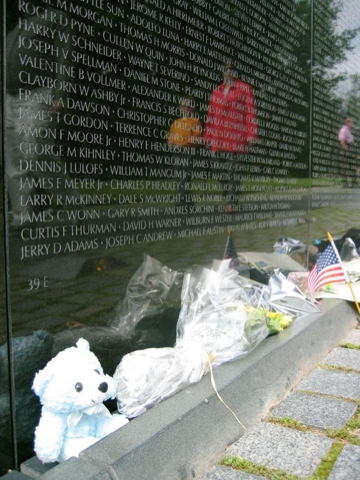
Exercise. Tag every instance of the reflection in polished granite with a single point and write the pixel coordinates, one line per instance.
(91, 170)
(83, 290)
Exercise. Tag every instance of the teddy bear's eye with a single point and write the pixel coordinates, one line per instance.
(79, 387)
(97, 371)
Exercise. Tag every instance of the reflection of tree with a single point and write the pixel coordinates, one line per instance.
(330, 45)
(352, 105)
(352, 99)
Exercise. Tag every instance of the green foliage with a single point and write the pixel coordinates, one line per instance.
(327, 462)
(349, 433)
(246, 466)
(325, 366)
(350, 345)
(289, 423)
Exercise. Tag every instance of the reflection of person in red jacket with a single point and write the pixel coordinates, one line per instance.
(231, 126)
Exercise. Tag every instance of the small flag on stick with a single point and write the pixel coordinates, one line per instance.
(344, 271)
(326, 270)
(329, 269)
(230, 252)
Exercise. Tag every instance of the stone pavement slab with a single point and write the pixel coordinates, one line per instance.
(315, 410)
(226, 473)
(282, 448)
(344, 357)
(353, 337)
(330, 382)
(347, 466)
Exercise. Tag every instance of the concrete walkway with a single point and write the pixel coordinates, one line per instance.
(316, 428)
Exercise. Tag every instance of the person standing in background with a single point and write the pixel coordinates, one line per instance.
(231, 127)
(184, 135)
(347, 154)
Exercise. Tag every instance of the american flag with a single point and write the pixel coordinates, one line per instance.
(326, 270)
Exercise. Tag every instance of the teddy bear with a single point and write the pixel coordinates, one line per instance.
(72, 388)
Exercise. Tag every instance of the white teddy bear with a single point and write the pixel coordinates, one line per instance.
(72, 388)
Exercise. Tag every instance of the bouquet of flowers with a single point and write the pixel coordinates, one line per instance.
(223, 316)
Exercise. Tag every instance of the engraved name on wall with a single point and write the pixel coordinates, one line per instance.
(99, 86)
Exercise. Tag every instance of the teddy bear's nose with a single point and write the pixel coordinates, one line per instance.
(103, 387)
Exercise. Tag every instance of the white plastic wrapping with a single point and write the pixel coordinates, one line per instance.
(214, 323)
(214, 312)
(145, 377)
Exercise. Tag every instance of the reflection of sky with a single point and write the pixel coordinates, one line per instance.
(349, 18)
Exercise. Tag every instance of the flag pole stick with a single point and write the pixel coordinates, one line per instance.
(227, 242)
(344, 271)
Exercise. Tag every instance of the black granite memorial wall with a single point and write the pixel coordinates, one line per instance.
(138, 133)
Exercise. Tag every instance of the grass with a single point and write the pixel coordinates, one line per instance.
(289, 423)
(354, 422)
(343, 435)
(350, 345)
(327, 462)
(349, 433)
(238, 463)
(326, 366)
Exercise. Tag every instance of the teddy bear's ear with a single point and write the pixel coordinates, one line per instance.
(83, 344)
(41, 380)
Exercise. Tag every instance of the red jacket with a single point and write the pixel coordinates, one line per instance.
(231, 123)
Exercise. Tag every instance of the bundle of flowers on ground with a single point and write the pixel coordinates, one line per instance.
(223, 316)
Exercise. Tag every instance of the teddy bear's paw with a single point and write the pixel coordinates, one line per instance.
(46, 456)
(107, 425)
(73, 446)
